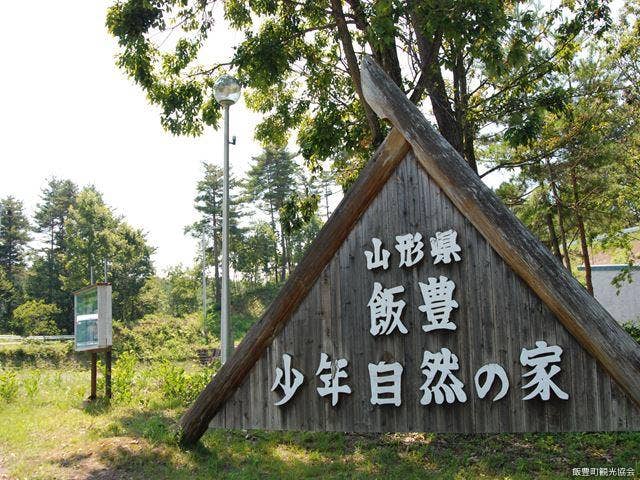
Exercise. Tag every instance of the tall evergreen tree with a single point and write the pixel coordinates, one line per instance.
(14, 238)
(208, 202)
(271, 181)
(8, 299)
(44, 281)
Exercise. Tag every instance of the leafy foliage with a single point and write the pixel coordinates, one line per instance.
(276, 185)
(157, 337)
(35, 317)
(577, 176)
(32, 383)
(8, 385)
(208, 202)
(94, 234)
(298, 61)
(123, 372)
(37, 353)
(633, 329)
(182, 291)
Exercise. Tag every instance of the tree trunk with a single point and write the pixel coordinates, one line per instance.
(582, 232)
(385, 55)
(354, 70)
(563, 236)
(553, 237)
(432, 81)
(461, 99)
(283, 257)
(275, 243)
(563, 233)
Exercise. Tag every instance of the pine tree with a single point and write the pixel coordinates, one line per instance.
(44, 281)
(271, 181)
(14, 237)
(208, 202)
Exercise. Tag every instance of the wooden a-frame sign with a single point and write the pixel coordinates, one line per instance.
(522, 322)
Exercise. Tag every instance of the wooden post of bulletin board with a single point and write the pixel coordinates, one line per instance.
(94, 375)
(107, 375)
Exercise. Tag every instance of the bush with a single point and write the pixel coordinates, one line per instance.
(122, 376)
(160, 337)
(35, 317)
(180, 387)
(8, 385)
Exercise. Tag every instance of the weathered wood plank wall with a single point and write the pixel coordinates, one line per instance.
(498, 315)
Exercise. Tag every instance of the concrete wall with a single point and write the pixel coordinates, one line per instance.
(625, 306)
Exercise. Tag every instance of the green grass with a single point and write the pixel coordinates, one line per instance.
(50, 432)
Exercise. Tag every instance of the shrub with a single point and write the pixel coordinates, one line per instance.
(160, 337)
(35, 317)
(8, 385)
(32, 383)
(122, 376)
(180, 387)
(197, 381)
(173, 380)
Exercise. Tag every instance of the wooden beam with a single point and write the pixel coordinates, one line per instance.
(372, 178)
(578, 311)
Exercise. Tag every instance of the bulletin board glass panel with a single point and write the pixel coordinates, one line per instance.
(86, 314)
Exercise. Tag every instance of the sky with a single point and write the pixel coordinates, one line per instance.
(67, 111)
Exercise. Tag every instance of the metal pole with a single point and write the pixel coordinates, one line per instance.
(204, 281)
(225, 333)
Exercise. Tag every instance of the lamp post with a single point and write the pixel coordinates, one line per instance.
(227, 92)
(204, 280)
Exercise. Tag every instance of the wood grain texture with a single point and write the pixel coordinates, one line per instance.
(498, 315)
(195, 421)
(511, 292)
(578, 311)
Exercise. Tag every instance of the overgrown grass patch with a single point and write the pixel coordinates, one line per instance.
(36, 352)
(51, 432)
